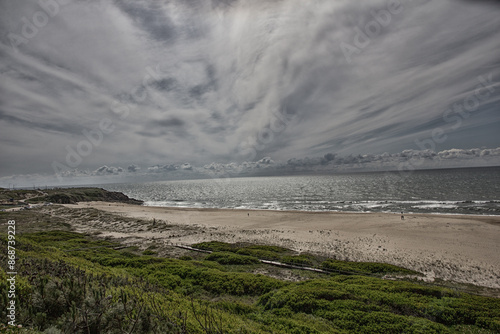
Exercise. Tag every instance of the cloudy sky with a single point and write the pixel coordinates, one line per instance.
(85, 84)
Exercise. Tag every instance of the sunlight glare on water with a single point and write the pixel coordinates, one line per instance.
(460, 191)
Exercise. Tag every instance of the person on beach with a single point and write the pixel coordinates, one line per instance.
(402, 216)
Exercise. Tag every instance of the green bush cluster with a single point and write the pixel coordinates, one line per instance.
(259, 253)
(112, 294)
(71, 283)
(216, 246)
(149, 252)
(75, 301)
(365, 267)
(300, 260)
(231, 258)
(194, 276)
(280, 254)
(264, 252)
(371, 305)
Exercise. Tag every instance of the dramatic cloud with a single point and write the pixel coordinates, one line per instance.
(404, 162)
(178, 84)
(105, 170)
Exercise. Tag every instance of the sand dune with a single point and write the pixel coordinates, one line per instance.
(460, 248)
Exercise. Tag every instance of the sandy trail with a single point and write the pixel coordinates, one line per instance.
(460, 248)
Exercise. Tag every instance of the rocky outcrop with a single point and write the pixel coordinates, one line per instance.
(74, 195)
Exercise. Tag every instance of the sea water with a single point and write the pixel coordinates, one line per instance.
(450, 191)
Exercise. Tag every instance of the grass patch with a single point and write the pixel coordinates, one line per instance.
(288, 256)
(76, 283)
(227, 258)
(149, 252)
(365, 267)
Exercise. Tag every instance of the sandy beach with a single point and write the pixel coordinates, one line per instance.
(459, 248)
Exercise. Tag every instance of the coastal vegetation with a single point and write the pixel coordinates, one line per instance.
(61, 196)
(286, 256)
(70, 282)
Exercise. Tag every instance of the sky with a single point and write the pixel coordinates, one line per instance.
(93, 88)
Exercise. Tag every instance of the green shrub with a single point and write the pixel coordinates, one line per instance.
(235, 307)
(215, 246)
(267, 248)
(149, 252)
(301, 260)
(99, 289)
(365, 267)
(231, 258)
(259, 253)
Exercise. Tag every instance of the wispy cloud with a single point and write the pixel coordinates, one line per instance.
(226, 81)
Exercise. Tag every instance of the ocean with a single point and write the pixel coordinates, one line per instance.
(449, 191)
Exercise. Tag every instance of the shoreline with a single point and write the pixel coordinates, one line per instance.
(187, 208)
(488, 219)
(459, 248)
(333, 211)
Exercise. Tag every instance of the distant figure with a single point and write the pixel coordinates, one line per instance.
(248, 214)
(402, 216)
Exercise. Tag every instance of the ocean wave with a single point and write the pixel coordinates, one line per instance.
(422, 206)
(437, 192)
